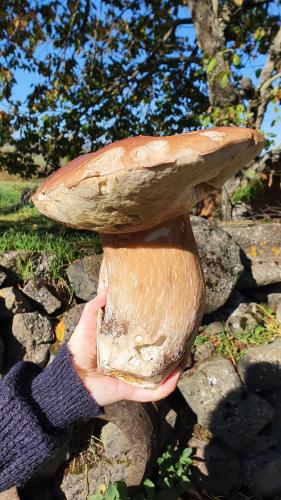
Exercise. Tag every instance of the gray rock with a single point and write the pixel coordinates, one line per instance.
(12, 301)
(68, 323)
(265, 439)
(273, 300)
(215, 468)
(278, 312)
(3, 278)
(42, 265)
(42, 295)
(262, 474)
(11, 260)
(7, 277)
(74, 486)
(114, 440)
(274, 398)
(220, 260)
(83, 275)
(245, 316)
(205, 387)
(260, 243)
(260, 367)
(40, 262)
(215, 327)
(204, 351)
(30, 339)
(239, 419)
(222, 405)
(101, 471)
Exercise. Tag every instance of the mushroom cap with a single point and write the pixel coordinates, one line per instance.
(137, 183)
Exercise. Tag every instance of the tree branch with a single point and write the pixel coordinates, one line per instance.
(248, 4)
(210, 28)
(268, 82)
(274, 55)
(183, 20)
(266, 78)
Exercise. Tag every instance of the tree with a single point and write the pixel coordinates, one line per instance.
(109, 69)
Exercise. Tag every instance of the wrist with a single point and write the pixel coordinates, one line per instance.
(60, 393)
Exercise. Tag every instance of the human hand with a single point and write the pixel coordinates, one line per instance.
(104, 389)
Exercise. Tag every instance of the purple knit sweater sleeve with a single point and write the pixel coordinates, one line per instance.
(36, 408)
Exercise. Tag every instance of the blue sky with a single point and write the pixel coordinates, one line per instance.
(26, 79)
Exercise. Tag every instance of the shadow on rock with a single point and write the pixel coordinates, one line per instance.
(243, 449)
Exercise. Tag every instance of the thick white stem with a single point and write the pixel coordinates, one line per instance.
(155, 301)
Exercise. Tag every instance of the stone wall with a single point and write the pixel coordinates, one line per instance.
(236, 407)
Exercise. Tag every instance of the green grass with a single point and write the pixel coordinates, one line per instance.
(10, 192)
(23, 227)
(235, 345)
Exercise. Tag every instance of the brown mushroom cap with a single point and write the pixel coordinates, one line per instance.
(139, 182)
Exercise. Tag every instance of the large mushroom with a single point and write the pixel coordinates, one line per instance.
(137, 193)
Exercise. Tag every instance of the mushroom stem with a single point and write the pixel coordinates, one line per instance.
(155, 301)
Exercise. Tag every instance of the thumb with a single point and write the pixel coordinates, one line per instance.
(160, 392)
(89, 315)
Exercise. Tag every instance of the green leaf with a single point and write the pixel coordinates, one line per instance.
(259, 33)
(276, 120)
(211, 65)
(185, 479)
(115, 491)
(236, 60)
(186, 452)
(167, 482)
(224, 80)
(200, 339)
(148, 483)
(112, 492)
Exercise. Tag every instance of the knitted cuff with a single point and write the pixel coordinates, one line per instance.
(60, 394)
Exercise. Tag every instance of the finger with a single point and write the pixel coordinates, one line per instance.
(185, 361)
(93, 306)
(161, 392)
(91, 309)
(88, 320)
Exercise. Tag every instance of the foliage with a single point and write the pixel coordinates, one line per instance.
(107, 70)
(25, 268)
(248, 190)
(173, 480)
(234, 345)
(174, 475)
(115, 491)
